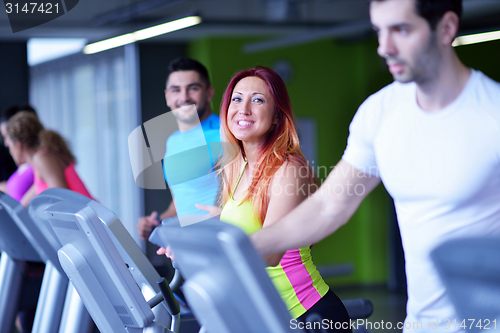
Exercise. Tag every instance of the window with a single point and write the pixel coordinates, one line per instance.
(92, 100)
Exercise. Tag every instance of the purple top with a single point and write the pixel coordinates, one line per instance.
(20, 182)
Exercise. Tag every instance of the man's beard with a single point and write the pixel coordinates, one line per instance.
(426, 65)
(194, 118)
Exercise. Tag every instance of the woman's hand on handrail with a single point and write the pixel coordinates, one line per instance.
(212, 210)
(167, 252)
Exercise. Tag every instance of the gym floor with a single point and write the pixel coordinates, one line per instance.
(388, 306)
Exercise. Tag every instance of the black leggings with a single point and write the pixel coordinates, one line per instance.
(327, 315)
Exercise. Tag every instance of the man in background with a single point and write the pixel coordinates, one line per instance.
(187, 83)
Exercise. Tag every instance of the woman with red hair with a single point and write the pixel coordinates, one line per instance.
(266, 178)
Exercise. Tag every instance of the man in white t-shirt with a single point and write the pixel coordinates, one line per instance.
(432, 137)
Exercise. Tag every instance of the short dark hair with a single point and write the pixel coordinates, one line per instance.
(8, 113)
(433, 10)
(185, 64)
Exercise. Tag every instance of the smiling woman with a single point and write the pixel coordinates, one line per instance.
(262, 181)
(251, 112)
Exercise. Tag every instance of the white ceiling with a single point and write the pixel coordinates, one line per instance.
(288, 19)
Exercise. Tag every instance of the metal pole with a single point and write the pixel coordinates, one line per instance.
(75, 318)
(51, 300)
(11, 278)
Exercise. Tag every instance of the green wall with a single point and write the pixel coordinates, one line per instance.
(483, 56)
(330, 80)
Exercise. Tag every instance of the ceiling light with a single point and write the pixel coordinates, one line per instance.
(476, 38)
(142, 34)
(45, 49)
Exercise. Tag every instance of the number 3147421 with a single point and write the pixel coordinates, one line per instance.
(32, 8)
(486, 324)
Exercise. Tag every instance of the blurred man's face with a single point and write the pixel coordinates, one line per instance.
(186, 88)
(406, 41)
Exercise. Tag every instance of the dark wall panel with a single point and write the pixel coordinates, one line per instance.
(153, 63)
(14, 74)
(14, 89)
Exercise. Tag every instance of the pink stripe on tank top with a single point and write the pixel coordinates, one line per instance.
(300, 278)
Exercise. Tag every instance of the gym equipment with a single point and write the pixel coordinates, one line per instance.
(94, 214)
(142, 271)
(20, 234)
(59, 307)
(17, 242)
(102, 278)
(226, 283)
(470, 270)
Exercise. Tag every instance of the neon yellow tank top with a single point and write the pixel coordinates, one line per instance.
(296, 277)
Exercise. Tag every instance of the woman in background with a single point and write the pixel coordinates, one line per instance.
(46, 151)
(20, 184)
(53, 166)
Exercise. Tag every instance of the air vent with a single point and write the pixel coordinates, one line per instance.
(127, 321)
(121, 310)
(64, 224)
